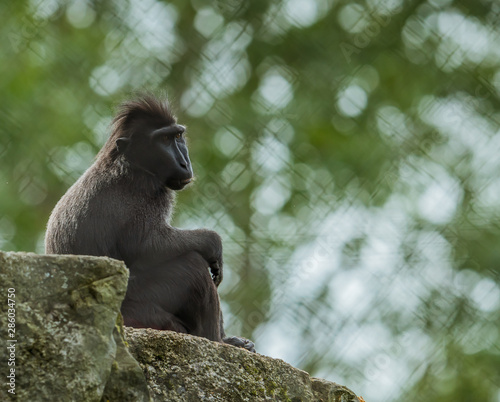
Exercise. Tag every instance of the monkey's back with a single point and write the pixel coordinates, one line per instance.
(84, 220)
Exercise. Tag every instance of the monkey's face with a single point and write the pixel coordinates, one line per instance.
(163, 153)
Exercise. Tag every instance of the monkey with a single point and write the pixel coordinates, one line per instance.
(121, 207)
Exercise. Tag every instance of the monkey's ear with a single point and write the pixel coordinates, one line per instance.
(122, 144)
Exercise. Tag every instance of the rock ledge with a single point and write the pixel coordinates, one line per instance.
(69, 345)
(181, 367)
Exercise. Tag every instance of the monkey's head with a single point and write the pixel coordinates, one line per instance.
(147, 135)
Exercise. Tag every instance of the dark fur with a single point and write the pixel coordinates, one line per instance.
(121, 208)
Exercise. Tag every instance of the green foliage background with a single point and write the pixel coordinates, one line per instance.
(347, 152)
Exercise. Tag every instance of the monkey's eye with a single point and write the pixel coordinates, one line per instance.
(178, 136)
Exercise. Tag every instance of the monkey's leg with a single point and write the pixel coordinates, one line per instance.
(211, 319)
(178, 294)
(199, 302)
(147, 315)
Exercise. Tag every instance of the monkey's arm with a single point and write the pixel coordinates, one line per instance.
(206, 242)
(173, 242)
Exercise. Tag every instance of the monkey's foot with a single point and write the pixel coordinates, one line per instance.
(240, 343)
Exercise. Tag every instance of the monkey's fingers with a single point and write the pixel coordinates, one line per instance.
(216, 271)
(217, 280)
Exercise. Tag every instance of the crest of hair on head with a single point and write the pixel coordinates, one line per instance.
(145, 111)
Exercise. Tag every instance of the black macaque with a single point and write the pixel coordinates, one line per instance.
(121, 208)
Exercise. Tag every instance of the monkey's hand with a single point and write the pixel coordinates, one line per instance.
(215, 257)
(216, 271)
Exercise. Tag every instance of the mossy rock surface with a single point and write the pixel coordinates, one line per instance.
(67, 329)
(181, 367)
